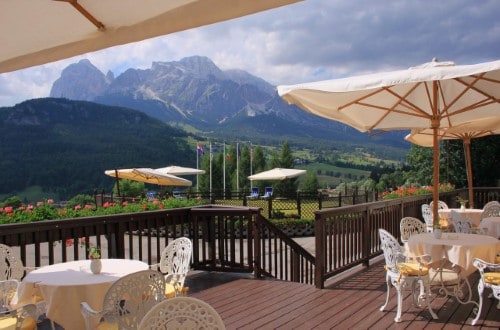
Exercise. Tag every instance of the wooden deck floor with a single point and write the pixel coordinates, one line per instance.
(352, 303)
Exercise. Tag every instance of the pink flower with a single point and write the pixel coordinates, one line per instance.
(8, 209)
(21, 208)
(69, 242)
(39, 204)
(125, 203)
(105, 205)
(87, 206)
(30, 207)
(50, 201)
(78, 207)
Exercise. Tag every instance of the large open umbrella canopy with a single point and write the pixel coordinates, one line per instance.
(433, 95)
(43, 31)
(464, 132)
(277, 174)
(148, 175)
(179, 170)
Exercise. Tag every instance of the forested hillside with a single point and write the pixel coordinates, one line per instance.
(65, 146)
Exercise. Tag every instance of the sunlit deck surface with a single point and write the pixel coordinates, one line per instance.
(350, 302)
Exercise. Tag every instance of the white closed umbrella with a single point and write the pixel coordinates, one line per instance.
(430, 96)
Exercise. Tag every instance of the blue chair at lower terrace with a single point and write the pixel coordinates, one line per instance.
(268, 192)
(254, 193)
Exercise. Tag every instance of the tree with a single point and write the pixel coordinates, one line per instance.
(284, 159)
(310, 184)
(129, 188)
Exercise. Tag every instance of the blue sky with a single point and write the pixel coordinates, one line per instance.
(303, 42)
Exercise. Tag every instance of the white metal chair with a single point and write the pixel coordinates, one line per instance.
(401, 273)
(441, 205)
(428, 217)
(174, 263)
(461, 224)
(182, 313)
(490, 278)
(12, 268)
(15, 316)
(127, 301)
(491, 209)
(410, 226)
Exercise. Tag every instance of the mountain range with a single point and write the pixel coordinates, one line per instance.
(224, 104)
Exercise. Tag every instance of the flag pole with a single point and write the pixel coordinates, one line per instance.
(210, 168)
(251, 161)
(224, 169)
(197, 175)
(237, 167)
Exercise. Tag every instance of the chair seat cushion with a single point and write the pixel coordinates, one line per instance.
(7, 323)
(412, 269)
(492, 278)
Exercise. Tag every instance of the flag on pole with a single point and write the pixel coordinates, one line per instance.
(199, 148)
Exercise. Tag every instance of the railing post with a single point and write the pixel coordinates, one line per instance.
(319, 266)
(367, 238)
(257, 268)
(270, 206)
(340, 199)
(320, 201)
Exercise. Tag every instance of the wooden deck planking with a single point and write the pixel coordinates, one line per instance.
(352, 303)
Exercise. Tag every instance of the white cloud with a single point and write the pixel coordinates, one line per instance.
(307, 41)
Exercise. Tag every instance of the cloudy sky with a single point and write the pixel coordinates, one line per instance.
(309, 41)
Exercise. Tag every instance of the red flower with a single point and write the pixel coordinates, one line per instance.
(8, 209)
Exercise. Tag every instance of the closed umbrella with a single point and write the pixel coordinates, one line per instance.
(43, 31)
(464, 132)
(433, 95)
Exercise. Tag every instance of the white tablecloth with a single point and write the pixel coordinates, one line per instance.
(473, 214)
(460, 249)
(63, 286)
(492, 225)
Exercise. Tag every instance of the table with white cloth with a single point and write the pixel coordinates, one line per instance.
(64, 285)
(473, 214)
(491, 225)
(459, 249)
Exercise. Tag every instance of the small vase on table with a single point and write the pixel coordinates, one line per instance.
(95, 266)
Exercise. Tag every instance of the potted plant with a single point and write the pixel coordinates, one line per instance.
(462, 202)
(94, 254)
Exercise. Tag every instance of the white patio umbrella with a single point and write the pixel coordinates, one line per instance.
(433, 95)
(148, 175)
(464, 132)
(43, 31)
(277, 174)
(179, 170)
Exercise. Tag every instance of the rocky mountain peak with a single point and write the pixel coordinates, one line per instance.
(80, 81)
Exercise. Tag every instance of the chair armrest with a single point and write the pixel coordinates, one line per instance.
(89, 313)
(155, 267)
(423, 259)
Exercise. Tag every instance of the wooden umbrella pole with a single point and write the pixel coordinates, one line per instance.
(468, 165)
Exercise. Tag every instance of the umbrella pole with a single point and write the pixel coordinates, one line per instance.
(117, 182)
(468, 165)
(435, 123)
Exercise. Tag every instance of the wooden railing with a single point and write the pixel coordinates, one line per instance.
(236, 239)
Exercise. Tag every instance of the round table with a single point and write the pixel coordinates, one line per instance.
(63, 286)
(492, 225)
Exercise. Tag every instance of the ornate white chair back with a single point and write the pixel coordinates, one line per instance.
(176, 259)
(428, 217)
(411, 226)
(10, 266)
(182, 313)
(461, 224)
(491, 209)
(441, 205)
(490, 275)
